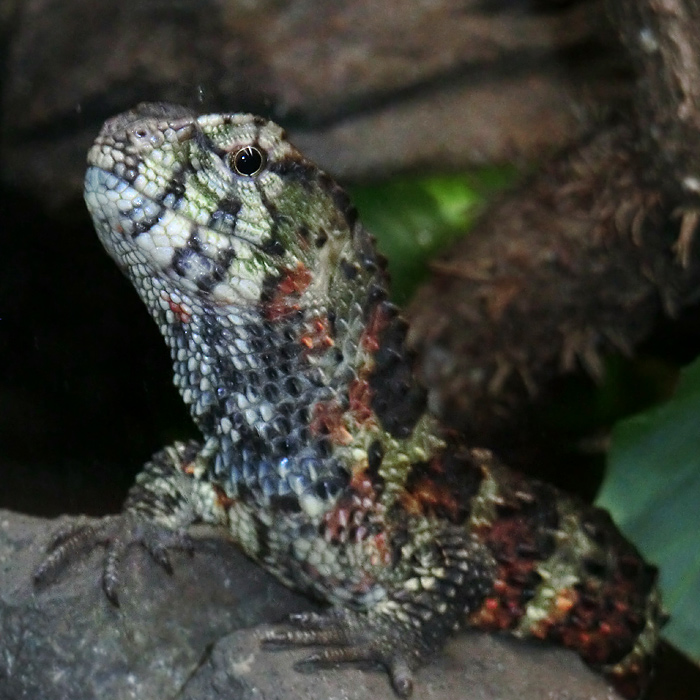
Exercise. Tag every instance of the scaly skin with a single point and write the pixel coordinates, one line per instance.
(319, 454)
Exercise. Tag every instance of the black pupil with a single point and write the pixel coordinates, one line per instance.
(248, 161)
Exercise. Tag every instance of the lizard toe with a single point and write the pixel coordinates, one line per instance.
(117, 533)
(345, 636)
(70, 543)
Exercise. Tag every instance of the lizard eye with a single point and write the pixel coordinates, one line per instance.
(248, 161)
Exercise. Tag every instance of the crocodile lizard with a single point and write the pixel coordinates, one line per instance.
(319, 452)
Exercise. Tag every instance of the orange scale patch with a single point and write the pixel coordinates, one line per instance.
(552, 626)
(317, 338)
(378, 321)
(327, 418)
(349, 518)
(496, 613)
(516, 578)
(178, 311)
(292, 284)
(600, 626)
(427, 496)
(360, 396)
(383, 555)
(223, 499)
(336, 523)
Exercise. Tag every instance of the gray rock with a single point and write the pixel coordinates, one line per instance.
(195, 636)
(66, 640)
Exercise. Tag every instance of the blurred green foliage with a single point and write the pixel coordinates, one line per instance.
(414, 218)
(652, 489)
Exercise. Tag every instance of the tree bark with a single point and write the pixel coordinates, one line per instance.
(581, 259)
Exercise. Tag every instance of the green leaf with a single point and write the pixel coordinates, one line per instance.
(413, 218)
(652, 489)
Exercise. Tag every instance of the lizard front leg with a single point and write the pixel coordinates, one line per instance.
(439, 583)
(166, 498)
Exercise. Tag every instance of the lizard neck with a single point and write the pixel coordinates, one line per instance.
(277, 388)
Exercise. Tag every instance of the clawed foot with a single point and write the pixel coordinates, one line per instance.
(349, 637)
(117, 533)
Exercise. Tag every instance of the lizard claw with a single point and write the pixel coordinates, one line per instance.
(348, 637)
(118, 533)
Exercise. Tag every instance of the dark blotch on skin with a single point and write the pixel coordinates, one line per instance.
(193, 241)
(185, 258)
(398, 399)
(146, 224)
(296, 169)
(321, 239)
(341, 200)
(226, 257)
(272, 246)
(229, 205)
(399, 539)
(332, 317)
(182, 258)
(348, 269)
(594, 568)
(330, 487)
(176, 186)
(375, 294)
(262, 534)
(375, 454)
(369, 258)
(285, 504)
(446, 485)
(269, 287)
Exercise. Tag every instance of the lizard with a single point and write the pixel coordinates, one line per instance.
(320, 454)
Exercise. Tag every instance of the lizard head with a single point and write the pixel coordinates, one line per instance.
(214, 206)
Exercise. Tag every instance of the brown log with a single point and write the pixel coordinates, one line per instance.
(583, 258)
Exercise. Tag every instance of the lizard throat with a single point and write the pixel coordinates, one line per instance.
(275, 388)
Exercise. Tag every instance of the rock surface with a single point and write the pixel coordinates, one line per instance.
(195, 636)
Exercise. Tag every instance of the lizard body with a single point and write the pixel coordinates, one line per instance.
(319, 453)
